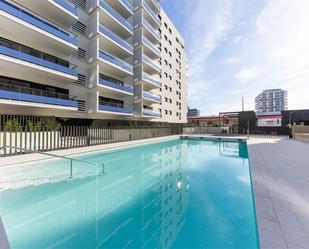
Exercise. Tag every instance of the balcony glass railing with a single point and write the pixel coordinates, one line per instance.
(128, 89)
(117, 16)
(109, 107)
(152, 30)
(106, 31)
(151, 63)
(152, 113)
(155, 2)
(35, 60)
(152, 14)
(33, 20)
(151, 79)
(11, 92)
(67, 6)
(151, 46)
(128, 4)
(149, 95)
(116, 61)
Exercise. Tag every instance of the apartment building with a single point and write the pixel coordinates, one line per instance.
(91, 59)
(271, 100)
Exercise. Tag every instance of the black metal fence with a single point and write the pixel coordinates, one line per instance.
(67, 137)
(262, 131)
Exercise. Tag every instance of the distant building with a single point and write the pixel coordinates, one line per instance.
(271, 100)
(193, 112)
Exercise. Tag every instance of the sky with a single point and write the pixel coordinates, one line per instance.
(239, 48)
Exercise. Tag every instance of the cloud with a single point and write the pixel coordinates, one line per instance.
(229, 43)
(246, 74)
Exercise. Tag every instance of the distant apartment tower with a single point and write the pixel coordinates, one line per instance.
(193, 112)
(91, 59)
(271, 100)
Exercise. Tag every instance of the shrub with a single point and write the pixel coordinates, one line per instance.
(31, 126)
(51, 124)
(12, 125)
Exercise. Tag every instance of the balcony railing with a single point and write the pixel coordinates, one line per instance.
(155, 2)
(109, 107)
(151, 63)
(152, 14)
(33, 20)
(151, 79)
(149, 95)
(151, 46)
(106, 31)
(117, 16)
(116, 61)
(152, 113)
(17, 93)
(35, 60)
(152, 30)
(67, 6)
(128, 4)
(128, 89)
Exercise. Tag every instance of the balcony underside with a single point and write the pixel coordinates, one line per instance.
(115, 114)
(121, 8)
(113, 93)
(18, 105)
(150, 69)
(150, 53)
(17, 30)
(150, 36)
(16, 68)
(50, 10)
(113, 70)
(113, 24)
(113, 47)
(147, 101)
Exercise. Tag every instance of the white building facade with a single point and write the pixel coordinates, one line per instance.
(272, 100)
(91, 59)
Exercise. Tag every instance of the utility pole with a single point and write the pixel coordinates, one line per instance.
(242, 104)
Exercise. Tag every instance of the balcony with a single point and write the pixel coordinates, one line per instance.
(115, 66)
(30, 30)
(151, 66)
(123, 7)
(151, 113)
(22, 96)
(151, 34)
(114, 90)
(61, 12)
(151, 17)
(115, 109)
(114, 44)
(17, 64)
(155, 5)
(151, 50)
(152, 97)
(114, 21)
(150, 82)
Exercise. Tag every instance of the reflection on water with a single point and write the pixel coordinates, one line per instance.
(175, 194)
(140, 202)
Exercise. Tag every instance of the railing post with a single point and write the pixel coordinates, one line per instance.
(71, 168)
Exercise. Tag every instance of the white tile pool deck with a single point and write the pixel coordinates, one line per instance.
(280, 175)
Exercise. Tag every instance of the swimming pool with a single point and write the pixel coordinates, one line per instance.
(180, 193)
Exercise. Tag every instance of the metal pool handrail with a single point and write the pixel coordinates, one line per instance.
(53, 155)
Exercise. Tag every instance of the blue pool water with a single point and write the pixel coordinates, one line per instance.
(173, 194)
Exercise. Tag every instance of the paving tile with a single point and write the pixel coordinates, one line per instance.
(270, 234)
(280, 176)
